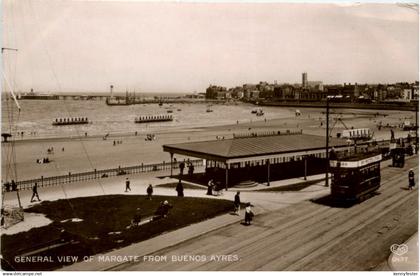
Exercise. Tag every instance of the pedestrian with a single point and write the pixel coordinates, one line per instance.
(248, 214)
(191, 169)
(14, 186)
(210, 185)
(62, 149)
(127, 185)
(35, 192)
(7, 186)
(237, 203)
(149, 192)
(181, 167)
(180, 189)
(411, 180)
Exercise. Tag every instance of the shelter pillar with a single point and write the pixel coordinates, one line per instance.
(227, 176)
(306, 166)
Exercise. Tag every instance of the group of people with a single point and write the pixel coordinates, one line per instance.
(12, 186)
(117, 142)
(43, 160)
(187, 164)
(214, 186)
(237, 207)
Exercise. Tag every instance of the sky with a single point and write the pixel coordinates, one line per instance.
(85, 46)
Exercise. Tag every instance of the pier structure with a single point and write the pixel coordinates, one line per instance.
(259, 157)
(153, 118)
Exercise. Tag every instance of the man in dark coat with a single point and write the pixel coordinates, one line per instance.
(180, 189)
(149, 192)
(411, 181)
(35, 192)
(181, 167)
(237, 203)
(127, 185)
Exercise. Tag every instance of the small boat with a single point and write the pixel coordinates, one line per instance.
(70, 121)
(209, 109)
(179, 109)
(169, 111)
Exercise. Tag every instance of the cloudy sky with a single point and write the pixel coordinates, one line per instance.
(183, 47)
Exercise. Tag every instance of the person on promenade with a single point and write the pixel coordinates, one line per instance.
(248, 214)
(35, 192)
(14, 186)
(149, 192)
(411, 181)
(127, 185)
(181, 167)
(191, 169)
(180, 189)
(210, 185)
(237, 203)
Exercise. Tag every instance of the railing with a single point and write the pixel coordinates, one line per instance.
(95, 174)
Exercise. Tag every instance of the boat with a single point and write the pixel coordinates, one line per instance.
(209, 109)
(70, 121)
(169, 111)
(259, 112)
(254, 111)
(153, 118)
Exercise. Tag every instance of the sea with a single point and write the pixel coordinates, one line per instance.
(36, 117)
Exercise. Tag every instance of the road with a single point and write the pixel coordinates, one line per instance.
(305, 235)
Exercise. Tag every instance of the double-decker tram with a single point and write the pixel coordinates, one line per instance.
(355, 177)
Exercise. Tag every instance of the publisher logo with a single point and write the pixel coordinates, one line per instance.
(399, 249)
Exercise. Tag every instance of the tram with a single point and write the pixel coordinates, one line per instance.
(356, 177)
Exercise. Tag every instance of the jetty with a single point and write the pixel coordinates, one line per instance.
(70, 121)
(152, 119)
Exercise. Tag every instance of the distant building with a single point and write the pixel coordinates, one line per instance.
(305, 80)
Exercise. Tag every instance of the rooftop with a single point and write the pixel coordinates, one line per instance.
(250, 146)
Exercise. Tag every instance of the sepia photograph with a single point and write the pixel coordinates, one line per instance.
(209, 136)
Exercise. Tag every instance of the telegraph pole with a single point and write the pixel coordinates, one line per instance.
(327, 134)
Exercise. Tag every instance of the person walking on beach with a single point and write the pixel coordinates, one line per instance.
(180, 189)
(237, 203)
(35, 192)
(149, 192)
(411, 181)
(127, 185)
(248, 214)
(191, 169)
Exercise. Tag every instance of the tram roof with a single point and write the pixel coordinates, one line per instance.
(255, 146)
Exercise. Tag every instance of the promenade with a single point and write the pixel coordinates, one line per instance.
(289, 232)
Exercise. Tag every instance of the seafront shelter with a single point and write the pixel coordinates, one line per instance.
(259, 157)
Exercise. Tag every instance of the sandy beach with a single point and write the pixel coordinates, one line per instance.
(89, 153)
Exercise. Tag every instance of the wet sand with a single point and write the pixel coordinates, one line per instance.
(89, 153)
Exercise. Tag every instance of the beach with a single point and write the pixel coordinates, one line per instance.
(85, 153)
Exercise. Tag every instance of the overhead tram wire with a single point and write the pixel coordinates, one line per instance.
(60, 89)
